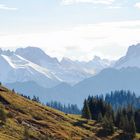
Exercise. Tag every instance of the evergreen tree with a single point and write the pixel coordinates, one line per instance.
(70, 108)
(108, 125)
(100, 117)
(36, 99)
(122, 98)
(13, 90)
(137, 120)
(126, 125)
(125, 117)
(86, 111)
(132, 127)
(117, 117)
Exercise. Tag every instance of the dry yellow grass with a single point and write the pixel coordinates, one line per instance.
(42, 121)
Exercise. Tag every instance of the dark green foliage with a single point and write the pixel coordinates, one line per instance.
(108, 125)
(132, 127)
(13, 91)
(122, 98)
(100, 117)
(27, 97)
(86, 111)
(125, 117)
(125, 120)
(137, 120)
(124, 123)
(69, 109)
(98, 108)
(36, 99)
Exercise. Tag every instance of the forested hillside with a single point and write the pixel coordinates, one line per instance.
(24, 119)
(125, 117)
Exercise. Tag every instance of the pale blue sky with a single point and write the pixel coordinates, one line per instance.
(78, 29)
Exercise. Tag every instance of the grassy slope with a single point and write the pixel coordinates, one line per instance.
(42, 121)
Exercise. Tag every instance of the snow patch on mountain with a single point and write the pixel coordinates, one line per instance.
(67, 70)
(15, 68)
(33, 64)
(131, 59)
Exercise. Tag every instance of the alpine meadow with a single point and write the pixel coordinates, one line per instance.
(69, 70)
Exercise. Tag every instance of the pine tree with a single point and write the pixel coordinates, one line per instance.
(36, 99)
(117, 117)
(126, 124)
(132, 127)
(100, 117)
(137, 120)
(86, 111)
(108, 125)
(13, 90)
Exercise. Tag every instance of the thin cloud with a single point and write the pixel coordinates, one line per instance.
(4, 7)
(71, 2)
(114, 7)
(107, 40)
(137, 5)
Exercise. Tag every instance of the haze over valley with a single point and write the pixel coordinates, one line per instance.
(31, 71)
(69, 69)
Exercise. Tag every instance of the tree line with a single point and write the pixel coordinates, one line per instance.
(125, 117)
(70, 108)
(122, 98)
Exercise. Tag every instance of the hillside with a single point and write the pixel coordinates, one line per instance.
(42, 122)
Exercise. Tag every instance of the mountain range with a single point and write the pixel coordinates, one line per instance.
(33, 64)
(75, 80)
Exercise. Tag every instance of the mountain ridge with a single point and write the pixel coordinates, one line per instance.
(109, 79)
(67, 70)
(104, 82)
(15, 68)
(131, 59)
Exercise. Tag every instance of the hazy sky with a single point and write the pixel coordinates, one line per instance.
(78, 29)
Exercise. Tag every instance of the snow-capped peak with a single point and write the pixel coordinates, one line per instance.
(29, 61)
(131, 59)
(35, 55)
(133, 51)
(20, 69)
